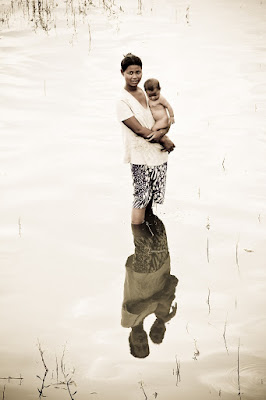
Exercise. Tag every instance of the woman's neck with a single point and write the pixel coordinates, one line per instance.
(131, 89)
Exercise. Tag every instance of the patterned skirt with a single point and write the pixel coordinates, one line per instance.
(149, 184)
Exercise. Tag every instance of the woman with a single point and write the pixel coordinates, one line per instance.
(145, 150)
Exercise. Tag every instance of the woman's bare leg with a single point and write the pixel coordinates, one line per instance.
(138, 216)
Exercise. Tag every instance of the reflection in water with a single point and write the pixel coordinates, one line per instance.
(50, 16)
(41, 390)
(56, 382)
(149, 287)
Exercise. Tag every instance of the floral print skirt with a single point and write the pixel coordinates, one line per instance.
(148, 183)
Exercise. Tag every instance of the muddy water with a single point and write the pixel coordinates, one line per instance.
(66, 196)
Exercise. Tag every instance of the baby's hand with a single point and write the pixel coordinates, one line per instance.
(167, 144)
(172, 120)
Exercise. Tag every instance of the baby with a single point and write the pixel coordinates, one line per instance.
(158, 105)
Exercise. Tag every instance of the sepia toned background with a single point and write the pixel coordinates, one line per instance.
(66, 196)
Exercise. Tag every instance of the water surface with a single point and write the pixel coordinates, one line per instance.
(66, 197)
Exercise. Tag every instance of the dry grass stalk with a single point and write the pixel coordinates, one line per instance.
(237, 263)
(142, 388)
(196, 352)
(41, 390)
(19, 227)
(187, 14)
(9, 378)
(225, 343)
(223, 164)
(67, 379)
(208, 300)
(178, 377)
(89, 38)
(238, 369)
(4, 392)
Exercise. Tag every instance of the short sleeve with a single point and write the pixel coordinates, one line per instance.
(123, 110)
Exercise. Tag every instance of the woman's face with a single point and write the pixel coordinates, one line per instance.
(132, 75)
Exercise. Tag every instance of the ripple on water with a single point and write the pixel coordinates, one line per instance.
(251, 378)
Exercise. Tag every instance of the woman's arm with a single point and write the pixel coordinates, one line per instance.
(156, 136)
(137, 307)
(133, 124)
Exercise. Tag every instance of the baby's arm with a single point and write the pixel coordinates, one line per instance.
(167, 105)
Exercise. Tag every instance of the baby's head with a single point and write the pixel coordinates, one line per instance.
(157, 331)
(152, 88)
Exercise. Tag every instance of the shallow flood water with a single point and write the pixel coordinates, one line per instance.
(66, 199)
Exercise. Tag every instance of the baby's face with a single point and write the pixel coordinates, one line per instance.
(153, 94)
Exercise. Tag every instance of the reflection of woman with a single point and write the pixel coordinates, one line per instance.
(149, 288)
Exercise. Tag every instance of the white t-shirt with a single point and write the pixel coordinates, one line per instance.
(137, 149)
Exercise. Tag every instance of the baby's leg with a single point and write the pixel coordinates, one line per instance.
(160, 124)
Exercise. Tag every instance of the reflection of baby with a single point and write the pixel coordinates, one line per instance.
(158, 105)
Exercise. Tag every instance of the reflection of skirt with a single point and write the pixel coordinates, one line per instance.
(149, 184)
(151, 248)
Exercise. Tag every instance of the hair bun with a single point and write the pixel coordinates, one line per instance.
(130, 59)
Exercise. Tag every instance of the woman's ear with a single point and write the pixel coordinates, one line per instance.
(122, 72)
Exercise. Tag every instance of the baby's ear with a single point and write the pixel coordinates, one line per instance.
(122, 72)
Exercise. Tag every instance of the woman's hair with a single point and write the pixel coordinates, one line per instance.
(130, 59)
(152, 84)
(143, 353)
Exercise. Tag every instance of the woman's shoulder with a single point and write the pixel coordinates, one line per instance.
(121, 95)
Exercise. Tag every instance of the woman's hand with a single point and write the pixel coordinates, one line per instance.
(156, 136)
